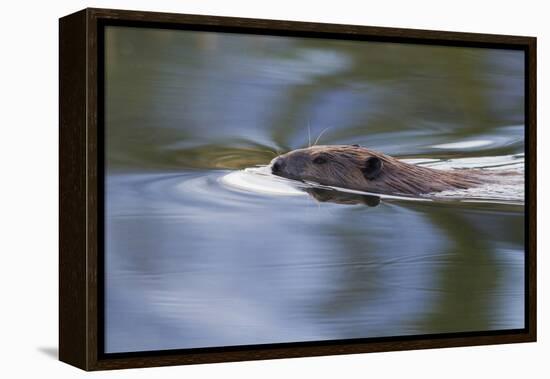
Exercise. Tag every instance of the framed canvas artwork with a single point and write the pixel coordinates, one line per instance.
(237, 189)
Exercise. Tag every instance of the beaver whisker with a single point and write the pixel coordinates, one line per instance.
(308, 134)
(320, 134)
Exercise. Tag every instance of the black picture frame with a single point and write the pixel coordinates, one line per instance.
(81, 188)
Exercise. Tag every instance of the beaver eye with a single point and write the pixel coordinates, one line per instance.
(319, 160)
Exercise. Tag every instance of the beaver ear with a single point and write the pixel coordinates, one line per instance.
(372, 168)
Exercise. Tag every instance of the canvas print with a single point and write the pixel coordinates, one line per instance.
(264, 189)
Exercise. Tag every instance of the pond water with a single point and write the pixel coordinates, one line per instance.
(204, 248)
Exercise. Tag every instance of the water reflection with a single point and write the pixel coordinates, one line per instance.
(338, 197)
(195, 258)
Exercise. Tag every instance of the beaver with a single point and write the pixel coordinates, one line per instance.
(358, 168)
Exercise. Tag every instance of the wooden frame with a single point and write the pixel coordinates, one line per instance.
(81, 181)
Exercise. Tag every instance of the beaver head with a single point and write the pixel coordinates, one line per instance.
(356, 167)
(342, 166)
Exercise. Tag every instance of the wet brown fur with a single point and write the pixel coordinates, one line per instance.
(345, 167)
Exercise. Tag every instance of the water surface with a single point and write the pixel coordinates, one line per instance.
(202, 250)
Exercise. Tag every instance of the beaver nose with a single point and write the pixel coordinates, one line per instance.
(277, 166)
